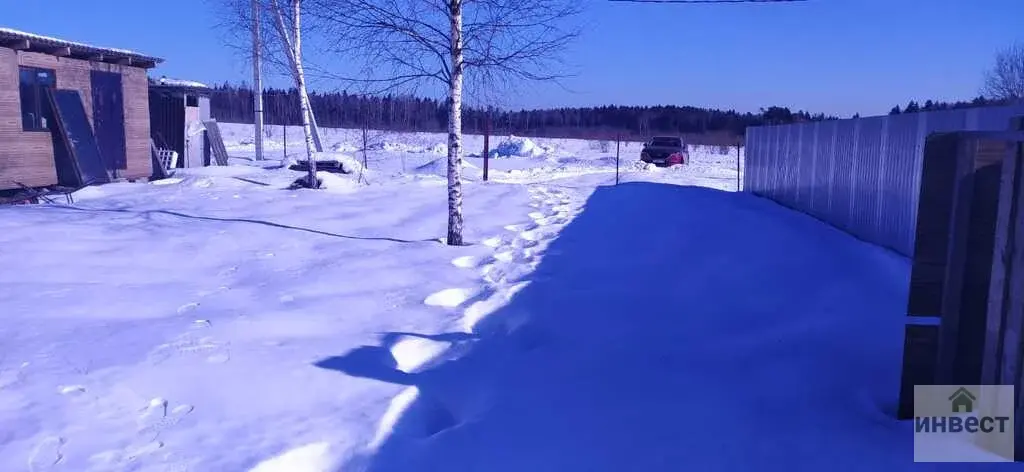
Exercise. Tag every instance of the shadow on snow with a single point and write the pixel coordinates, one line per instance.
(669, 328)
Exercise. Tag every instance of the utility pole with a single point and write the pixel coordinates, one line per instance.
(257, 82)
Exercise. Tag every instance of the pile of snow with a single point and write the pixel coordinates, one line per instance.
(439, 148)
(182, 83)
(349, 164)
(343, 147)
(338, 183)
(518, 147)
(390, 146)
(439, 167)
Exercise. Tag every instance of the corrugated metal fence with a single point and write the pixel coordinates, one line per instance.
(861, 175)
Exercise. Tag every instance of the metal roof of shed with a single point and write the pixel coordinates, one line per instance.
(20, 40)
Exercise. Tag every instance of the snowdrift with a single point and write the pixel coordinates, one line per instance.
(439, 167)
(517, 147)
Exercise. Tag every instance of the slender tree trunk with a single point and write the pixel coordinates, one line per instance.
(300, 83)
(455, 128)
(296, 68)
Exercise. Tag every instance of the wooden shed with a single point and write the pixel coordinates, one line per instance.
(41, 75)
(178, 110)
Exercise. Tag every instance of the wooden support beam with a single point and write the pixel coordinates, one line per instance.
(96, 58)
(20, 45)
(127, 61)
(61, 52)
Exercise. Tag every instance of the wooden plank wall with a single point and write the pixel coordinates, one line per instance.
(27, 157)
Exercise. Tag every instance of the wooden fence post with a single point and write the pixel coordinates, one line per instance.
(487, 144)
(618, 140)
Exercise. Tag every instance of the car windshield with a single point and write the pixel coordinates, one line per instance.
(667, 142)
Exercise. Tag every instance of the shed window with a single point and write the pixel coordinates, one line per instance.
(191, 101)
(35, 111)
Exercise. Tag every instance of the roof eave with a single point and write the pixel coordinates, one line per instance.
(77, 51)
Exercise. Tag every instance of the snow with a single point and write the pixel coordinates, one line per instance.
(218, 321)
(517, 147)
(182, 83)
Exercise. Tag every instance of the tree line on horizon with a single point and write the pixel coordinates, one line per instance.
(405, 113)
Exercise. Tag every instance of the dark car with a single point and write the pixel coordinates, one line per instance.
(665, 151)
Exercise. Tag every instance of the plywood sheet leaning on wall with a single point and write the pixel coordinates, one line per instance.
(78, 158)
(220, 153)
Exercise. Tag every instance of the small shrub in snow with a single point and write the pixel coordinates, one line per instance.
(723, 150)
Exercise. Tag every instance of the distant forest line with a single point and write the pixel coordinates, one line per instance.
(233, 104)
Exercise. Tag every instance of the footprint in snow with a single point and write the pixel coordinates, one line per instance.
(187, 307)
(47, 455)
(533, 235)
(525, 244)
(466, 262)
(537, 215)
(493, 242)
(449, 297)
(72, 389)
(505, 256)
(157, 417)
(506, 273)
(521, 227)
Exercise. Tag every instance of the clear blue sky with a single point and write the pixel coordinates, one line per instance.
(831, 56)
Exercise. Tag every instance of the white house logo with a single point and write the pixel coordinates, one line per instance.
(961, 418)
(963, 423)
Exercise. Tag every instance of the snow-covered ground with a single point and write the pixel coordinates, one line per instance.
(216, 321)
(514, 159)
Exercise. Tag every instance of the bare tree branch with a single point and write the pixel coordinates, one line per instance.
(1005, 81)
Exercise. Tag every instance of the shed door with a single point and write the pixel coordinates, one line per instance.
(108, 118)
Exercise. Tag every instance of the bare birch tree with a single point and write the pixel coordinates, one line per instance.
(245, 17)
(291, 36)
(1005, 81)
(442, 42)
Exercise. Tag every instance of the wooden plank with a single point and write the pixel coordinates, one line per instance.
(19, 45)
(920, 345)
(61, 52)
(969, 264)
(931, 244)
(1002, 263)
(220, 153)
(928, 269)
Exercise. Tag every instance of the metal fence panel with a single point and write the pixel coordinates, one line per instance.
(899, 198)
(861, 175)
(868, 178)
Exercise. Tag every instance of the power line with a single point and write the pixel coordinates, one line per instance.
(707, 1)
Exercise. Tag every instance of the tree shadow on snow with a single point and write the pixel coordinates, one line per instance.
(669, 328)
